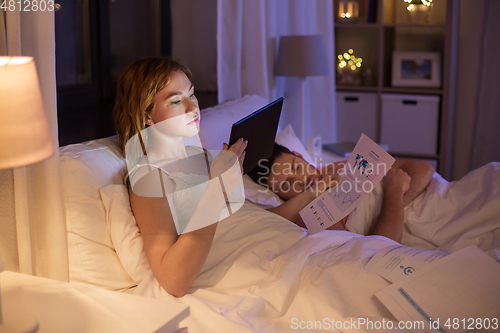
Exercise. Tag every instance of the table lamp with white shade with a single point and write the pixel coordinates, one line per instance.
(24, 131)
(24, 139)
(302, 56)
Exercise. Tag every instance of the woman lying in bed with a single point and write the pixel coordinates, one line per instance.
(171, 190)
(296, 181)
(179, 193)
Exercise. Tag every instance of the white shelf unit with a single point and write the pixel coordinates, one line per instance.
(375, 42)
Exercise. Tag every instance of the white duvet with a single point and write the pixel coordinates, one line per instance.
(264, 274)
(447, 216)
(263, 271)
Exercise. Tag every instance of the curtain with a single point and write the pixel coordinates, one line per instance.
(248, 34)
(477, 120)
(33, 229)
(194, 39)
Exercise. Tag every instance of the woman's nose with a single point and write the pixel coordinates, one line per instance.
(192, 106)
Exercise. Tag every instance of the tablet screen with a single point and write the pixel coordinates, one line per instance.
(259, 128)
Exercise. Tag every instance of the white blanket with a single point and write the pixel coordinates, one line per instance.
(447, 216)
(264, 274)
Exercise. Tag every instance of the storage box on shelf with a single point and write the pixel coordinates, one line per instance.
(410, 124)
(375, 42)
(357, 112)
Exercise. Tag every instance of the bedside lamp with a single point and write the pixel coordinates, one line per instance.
(302, 56)
(348, 10)
(24, 131)
(419, 11)
(24, 140)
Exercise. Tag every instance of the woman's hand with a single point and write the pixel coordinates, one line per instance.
(238, 148)
(228, 157)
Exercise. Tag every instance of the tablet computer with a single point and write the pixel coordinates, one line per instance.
(259, 128)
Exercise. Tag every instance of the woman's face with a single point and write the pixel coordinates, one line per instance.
(176, 111)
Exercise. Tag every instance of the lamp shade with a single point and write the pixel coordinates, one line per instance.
(24, 131)
(301, 56)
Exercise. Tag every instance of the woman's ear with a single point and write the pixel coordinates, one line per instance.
(149, 120)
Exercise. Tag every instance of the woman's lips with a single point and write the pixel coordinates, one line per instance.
(195, 121)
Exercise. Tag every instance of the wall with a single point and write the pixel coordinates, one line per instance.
(194, 28)
(194, 41)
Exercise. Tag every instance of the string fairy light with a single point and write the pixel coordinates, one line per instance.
(349, 60)
(417, 2)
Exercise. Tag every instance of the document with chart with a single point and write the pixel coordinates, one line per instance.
(457, 293)
(398, 261)
(364, 169)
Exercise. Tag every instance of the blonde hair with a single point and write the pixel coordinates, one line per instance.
(137, 86)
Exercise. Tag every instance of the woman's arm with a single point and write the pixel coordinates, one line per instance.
(420, 173)
(175, 260)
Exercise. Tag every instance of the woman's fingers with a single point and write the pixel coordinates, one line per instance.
(242, 159)
(238, 147)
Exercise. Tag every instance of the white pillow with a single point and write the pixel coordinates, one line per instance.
(85, 168)
(216, 122)
(263, 196)
(125, 233)
(259, 194)
(288, 139)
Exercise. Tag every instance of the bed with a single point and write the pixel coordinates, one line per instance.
(263, 273)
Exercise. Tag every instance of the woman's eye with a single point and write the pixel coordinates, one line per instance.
(176, 102)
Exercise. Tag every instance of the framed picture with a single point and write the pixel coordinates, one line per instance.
(416, 69)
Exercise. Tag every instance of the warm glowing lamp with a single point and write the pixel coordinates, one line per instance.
(419, 10)
(24, 140)
(24, 131)
(348, 10)
(302, 56)
(349, 68)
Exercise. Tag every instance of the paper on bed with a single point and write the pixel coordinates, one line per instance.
(446, 294)
(397, 261)
(364, 169)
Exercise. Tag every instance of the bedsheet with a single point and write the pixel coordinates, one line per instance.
(263, 274)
